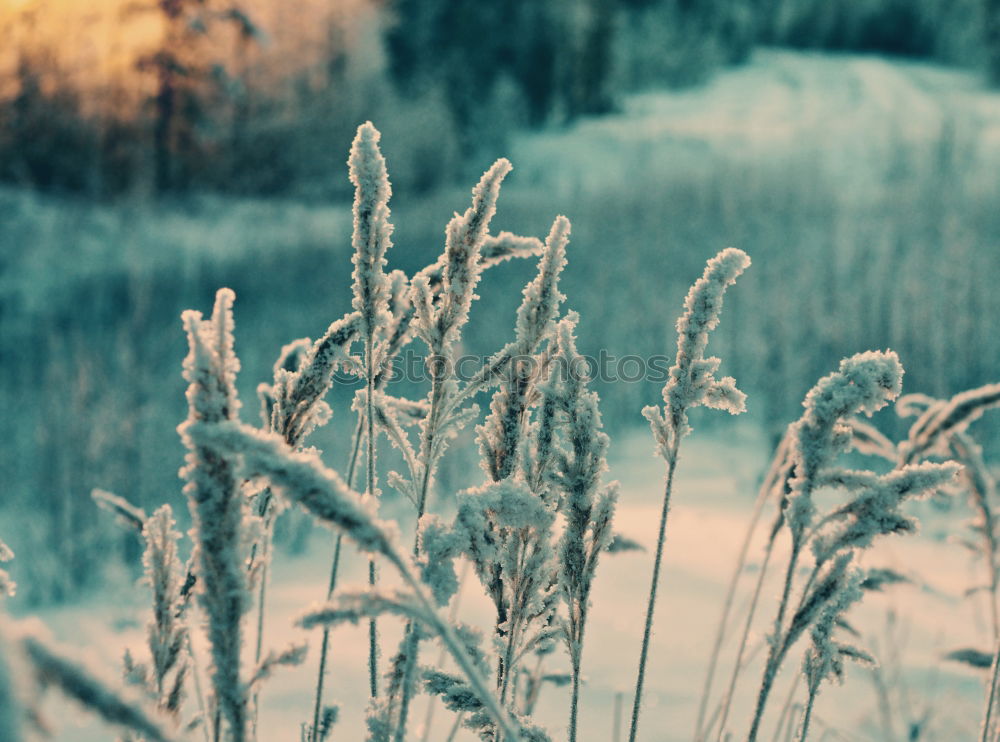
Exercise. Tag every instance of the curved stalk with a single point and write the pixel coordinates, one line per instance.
(727, 606)
(651, 604)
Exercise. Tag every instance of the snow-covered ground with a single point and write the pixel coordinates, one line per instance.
(852, 114)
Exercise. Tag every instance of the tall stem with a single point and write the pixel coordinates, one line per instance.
(334, 568)
(777, 650)
(807, 713)
(651, 604)
(991, 694)
(738, 666)
(766, 488)
(370, 490)
(574, 700)
(412, 644)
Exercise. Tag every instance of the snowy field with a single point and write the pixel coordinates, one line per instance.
(849, 113)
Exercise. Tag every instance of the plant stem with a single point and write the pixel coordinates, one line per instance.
(370, 490)
(807, 712)
(412, 644)
(334, 568)
(766, 488)
(651, 604)
(574, 700)
(728, 698)
(991, 693)
(776, 653)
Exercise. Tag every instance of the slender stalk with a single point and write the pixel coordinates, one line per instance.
(325, 646)
(616, 718)
(776, 653)
(807, 712)
(991, 693)
(412, 645)
(651, 604)
(766, 488)
(334, 568)
(786, 710)
(744, 638)
(574, 700)
(370, 489)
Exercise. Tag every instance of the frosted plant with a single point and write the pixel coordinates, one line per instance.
(940, 429)
(824, 659)
(301, 477)
(774, 487)
(52, 667)
(692, 383)
(167, 632)
(371, 288)
(218, 508)
(588, 507)
(864, 383)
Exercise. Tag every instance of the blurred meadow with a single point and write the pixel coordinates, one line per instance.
(151, 152)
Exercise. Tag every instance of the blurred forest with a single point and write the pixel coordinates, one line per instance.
(260, 97)
(154, 150)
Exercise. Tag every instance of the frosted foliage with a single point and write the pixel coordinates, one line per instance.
(439, 545)
(302, 478)
(372, 230)
(85, 685)
(540, 304)
(692, 379)
(167, 633)
(875, 511)
(940, 420)
(217, 507)
(865, 382)
(462, 266)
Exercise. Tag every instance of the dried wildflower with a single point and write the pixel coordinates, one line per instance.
(461, 265)
(941, 420)
(166, 633)
(692, 383)
(217, 506)
(824, 659)
(372, 230)
(865, 382)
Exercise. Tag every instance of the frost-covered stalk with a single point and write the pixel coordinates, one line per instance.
(167, 633)
(217, 504)
(439, 326)
(371, 239)
(864, 383)
(692, 383)
(775, 485)
(303, 479)
(588, 507)
(52, 667)
(825, 657)
(940, 430)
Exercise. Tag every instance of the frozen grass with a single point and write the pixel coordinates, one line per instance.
(749, 348)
